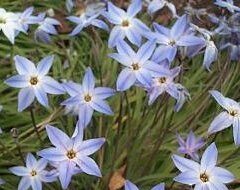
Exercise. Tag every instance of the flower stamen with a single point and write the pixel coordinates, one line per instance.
(87, 98)
(233, 112)
(71, 154)
(162, 80)
(125, 23)
(33, 173)
(33, 80)
(135, 66)
(204, 178)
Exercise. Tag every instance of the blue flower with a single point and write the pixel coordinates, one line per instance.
(9, 24)
(231, 116)
(71, 152)
(171, 39)
(165, 83)
(26, 18)
(130, 186)
(84, 21)
(138, 67)
(126, 25)
(88, 98)
(190, 146)
(46, 28)
(33, 174)
(228, 4)
(205, 175)
(157, 5)
(33, 81)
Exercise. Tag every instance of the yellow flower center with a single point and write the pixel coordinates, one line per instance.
(125, 23)
(87, 98)
(233, 112)
(172, 42)
(162, 80)
(33, 173)
(33, 80)
(135, 66)
(204, 178)
(71, 154)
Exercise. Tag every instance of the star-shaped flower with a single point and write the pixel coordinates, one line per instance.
(190, 146)
(170, 39)
(231, 116)
(228, 4)
(71, 152)
(84, 21)
(33, 174)
(86, 98)
(205, 175)
(138, 67)
(33, 81)
(9, 24)
(126, 25)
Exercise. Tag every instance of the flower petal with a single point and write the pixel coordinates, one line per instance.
(236, 130)
(24, 66)
(25, 98)
(222, 121)
(125, 79)
(222, 175)
(209, 157)
(85, 114)
(30, 161)
(145, 51)
(188, 177)
(88, 80)
(44, 65)
(36, 184)
(134, 8)
(66, 170)
(24, 183)
(51, 86)
(130, 186)
(52, 154)
(41, 95)
(90, 146)
(184, 164)
(89, 166)
(20, 171)
(101, 106)
(103, 92)
(18, 81)
(57, 137)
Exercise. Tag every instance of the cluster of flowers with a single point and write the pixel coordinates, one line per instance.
(150, 67)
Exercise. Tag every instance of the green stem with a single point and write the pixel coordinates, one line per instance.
(35, 126)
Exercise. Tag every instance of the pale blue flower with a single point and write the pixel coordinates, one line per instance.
(204, 175)
(46, 28)
(228, 4)
(84, 21)
(128, 185)
(227, 118)
(33, 174)
(33, 81)
(190, 146)
(85, 98)
(26, 18)
(170, 39)
(138, 67)
(165, 83)
(9, 24)
(126, 25)
(156, 5)
(71, 152)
